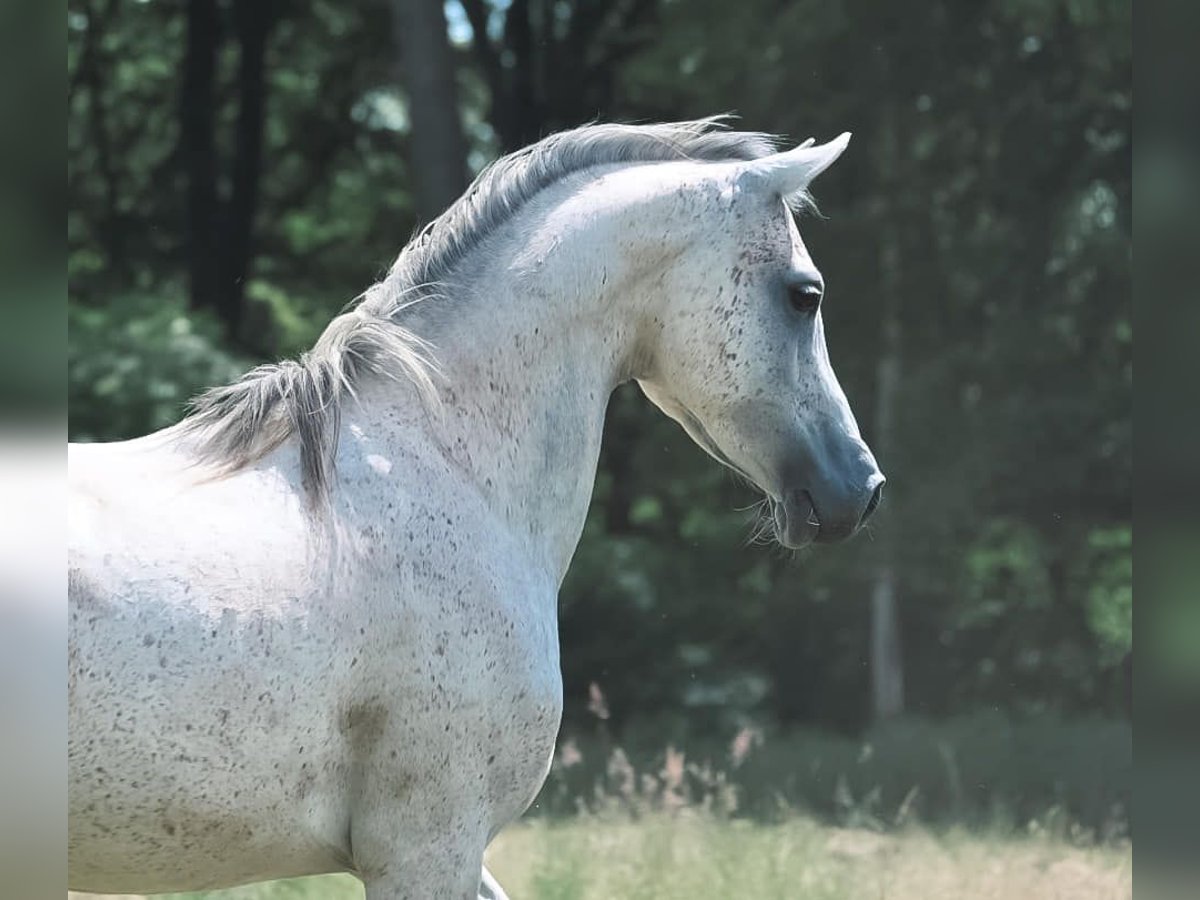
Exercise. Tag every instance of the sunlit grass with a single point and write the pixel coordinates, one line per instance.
(690, 854)
(979, 807)
(992, 772)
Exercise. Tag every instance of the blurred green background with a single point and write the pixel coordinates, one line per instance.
(240, 169)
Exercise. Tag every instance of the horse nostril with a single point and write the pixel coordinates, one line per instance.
(872, 505)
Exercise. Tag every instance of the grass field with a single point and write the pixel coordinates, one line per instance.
(691, 855)
(976, 808)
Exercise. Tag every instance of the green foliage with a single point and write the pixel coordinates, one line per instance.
(691, 854)
(135, 361)
(1110, 600)
(1010, 190)
(985, 770)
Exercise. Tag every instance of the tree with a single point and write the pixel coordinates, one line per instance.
(220, 229)
(887, 665)
(253, 20)
(551, 66)
(436, 144)
(976, 249)
(197, 147)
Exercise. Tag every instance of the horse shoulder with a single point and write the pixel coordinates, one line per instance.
(469, 622)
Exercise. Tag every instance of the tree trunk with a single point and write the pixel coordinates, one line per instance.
(887, 666)
(198, 150)
(437, 149)
(91, 74)
(253, 20)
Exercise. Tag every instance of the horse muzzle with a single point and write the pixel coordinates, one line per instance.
(824, 514)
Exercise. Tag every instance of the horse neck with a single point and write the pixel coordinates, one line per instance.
(532, 340)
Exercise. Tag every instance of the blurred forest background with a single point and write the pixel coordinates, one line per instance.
(240, 169)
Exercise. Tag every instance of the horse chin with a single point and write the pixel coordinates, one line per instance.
(796, 523)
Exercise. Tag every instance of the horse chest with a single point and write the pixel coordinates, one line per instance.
(469, 669)
(521, 719)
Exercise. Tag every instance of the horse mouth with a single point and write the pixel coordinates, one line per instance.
(795, 515)
(796, 521)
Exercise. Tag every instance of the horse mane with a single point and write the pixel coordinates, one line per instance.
(231, 427)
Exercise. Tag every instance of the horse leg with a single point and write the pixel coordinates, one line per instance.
(425, 849)
(410, 884)
(489, 888)
(435, 869)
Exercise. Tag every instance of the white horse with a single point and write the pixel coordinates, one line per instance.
(313, 628)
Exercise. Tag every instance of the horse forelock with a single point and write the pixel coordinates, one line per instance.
(231, 427)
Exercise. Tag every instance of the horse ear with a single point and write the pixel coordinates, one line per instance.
(791, 172)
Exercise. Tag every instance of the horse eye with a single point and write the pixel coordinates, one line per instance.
(805, 298)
